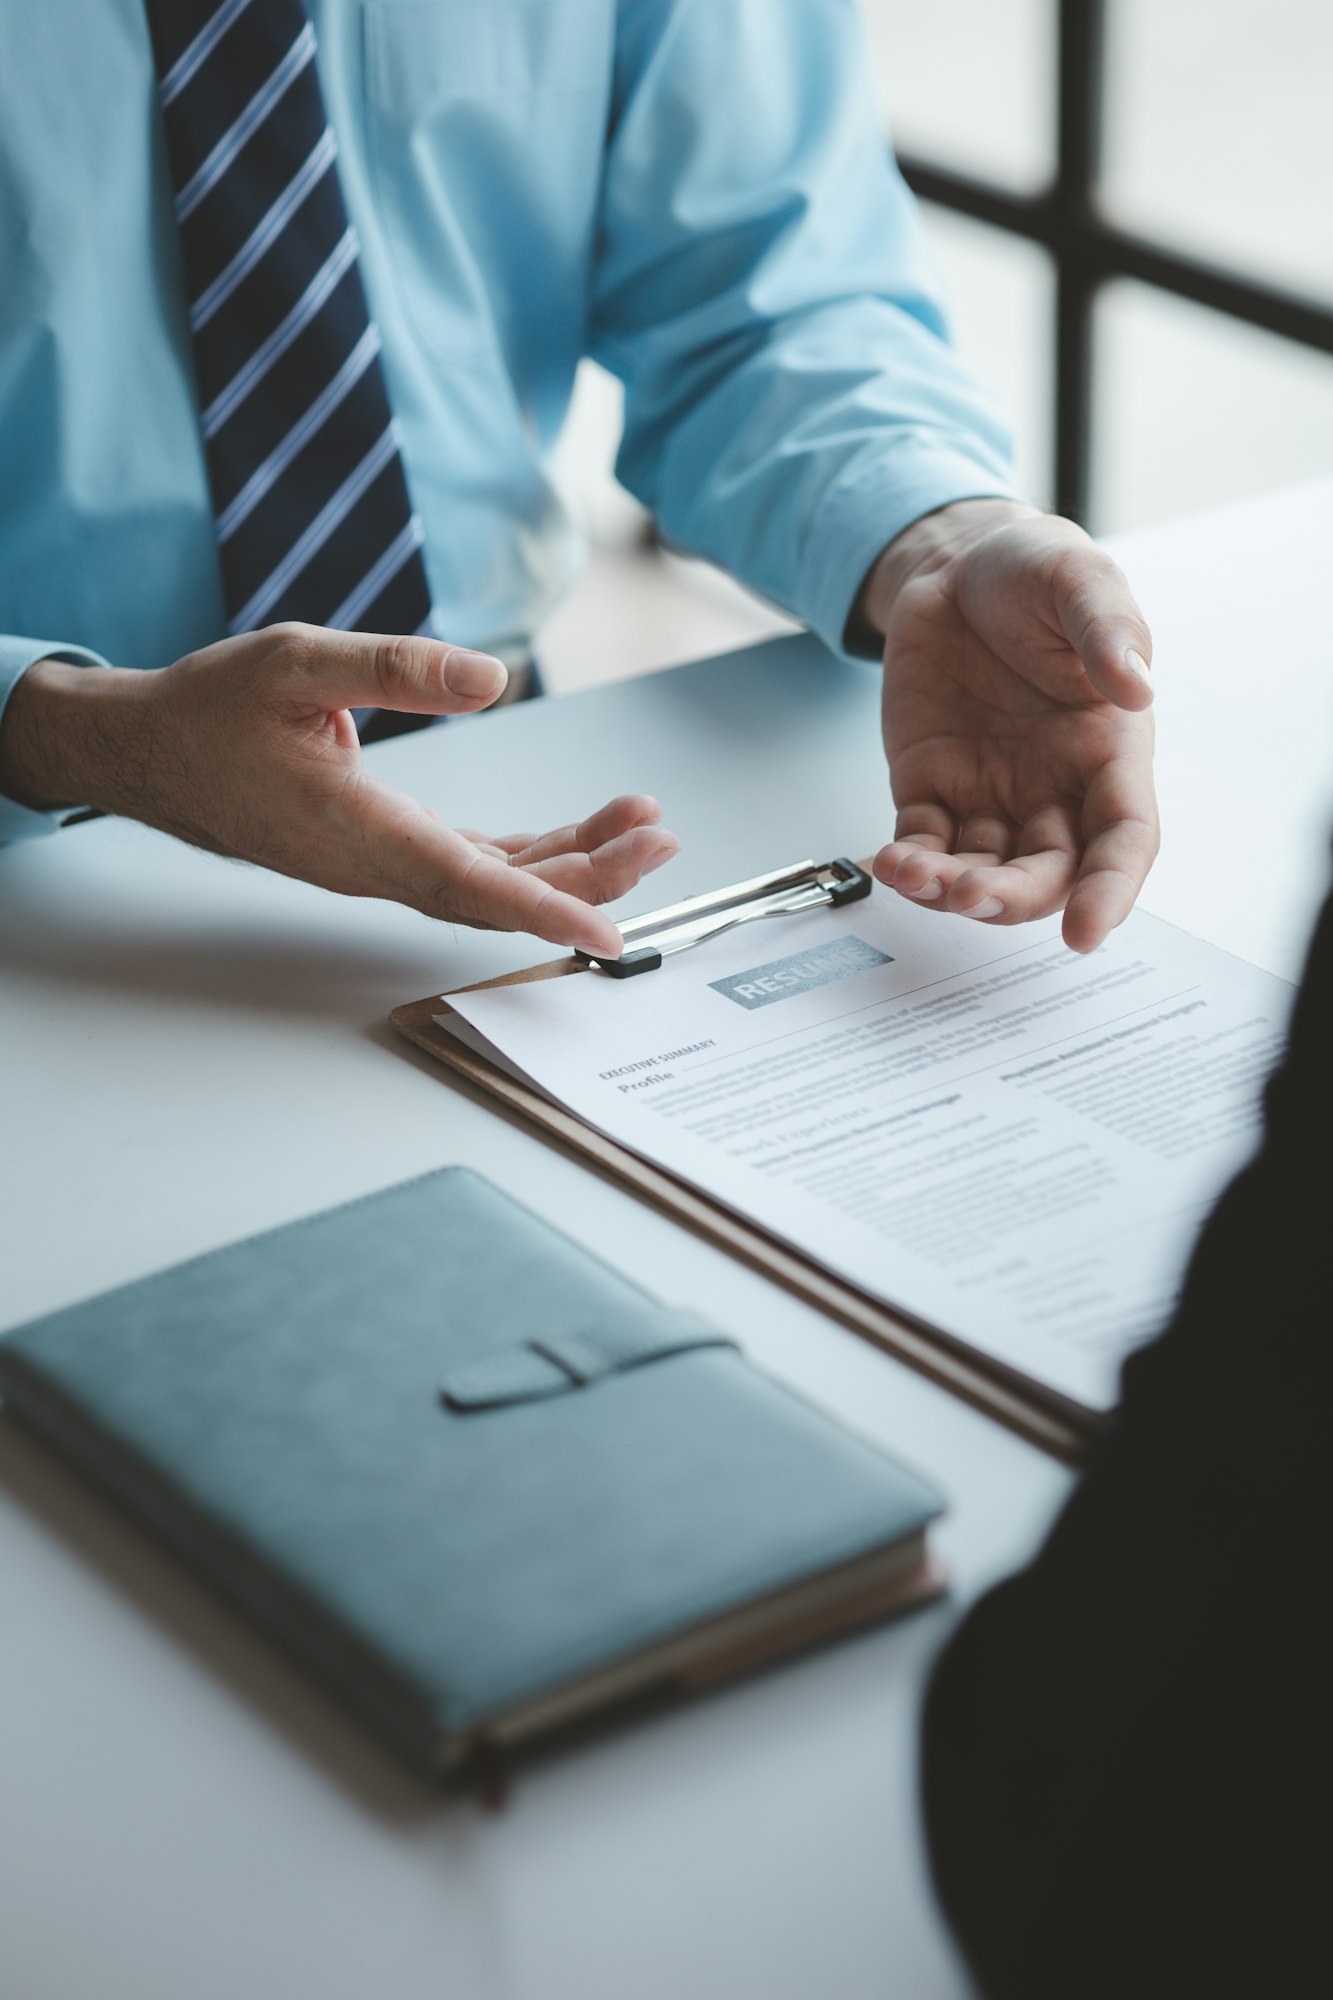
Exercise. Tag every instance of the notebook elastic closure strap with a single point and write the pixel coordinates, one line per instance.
(557, 1363)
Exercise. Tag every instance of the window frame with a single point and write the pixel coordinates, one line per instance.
(1088, 252)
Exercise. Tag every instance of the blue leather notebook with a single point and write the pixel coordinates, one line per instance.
(476, 1480)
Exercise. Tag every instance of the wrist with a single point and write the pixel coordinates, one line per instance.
(927, 545)
(73, 737)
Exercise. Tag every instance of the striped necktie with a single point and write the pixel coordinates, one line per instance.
(309, 495)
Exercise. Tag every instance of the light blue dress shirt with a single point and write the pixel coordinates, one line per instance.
(696, 193)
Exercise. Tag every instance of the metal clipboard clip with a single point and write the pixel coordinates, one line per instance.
(807, 885)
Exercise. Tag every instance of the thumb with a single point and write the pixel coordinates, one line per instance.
(1105, 627)
(325, 670)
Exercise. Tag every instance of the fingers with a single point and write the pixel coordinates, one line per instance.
(1025, 872)
(1104, 625)
(608, 823)
(325, 670)
(985, 838)
(933, 850)
(410, 855)
(907, 864)
(496, 894)
(612, 869)
(506, 844)
(600, 858)
(1033, 883)
(926, 825)
(1123, 837)
(1094, 873)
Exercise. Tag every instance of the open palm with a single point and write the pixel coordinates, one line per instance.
(1018, 727)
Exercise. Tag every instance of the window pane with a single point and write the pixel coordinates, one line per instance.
(1000, 296)
(970, 84)
(1218, 135)
(1194, 409)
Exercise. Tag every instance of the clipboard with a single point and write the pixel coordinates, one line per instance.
(1044, 1417)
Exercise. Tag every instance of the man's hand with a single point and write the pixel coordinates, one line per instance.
(1016, 720)
(247, 748)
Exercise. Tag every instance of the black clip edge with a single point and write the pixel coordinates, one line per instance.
(626, 966)
(854, 885)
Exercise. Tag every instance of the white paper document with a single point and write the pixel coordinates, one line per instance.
(975, 1126)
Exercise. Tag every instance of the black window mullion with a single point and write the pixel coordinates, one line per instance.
(1087, 250)
(1078, 168)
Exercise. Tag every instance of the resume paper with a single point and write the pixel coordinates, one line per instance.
(1009, 1142)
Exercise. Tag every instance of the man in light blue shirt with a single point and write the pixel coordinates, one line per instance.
(696, 193)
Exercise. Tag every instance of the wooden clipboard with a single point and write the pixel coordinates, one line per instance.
(1043, 1417)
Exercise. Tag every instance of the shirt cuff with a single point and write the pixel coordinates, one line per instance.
(868, 506)
(16, 656)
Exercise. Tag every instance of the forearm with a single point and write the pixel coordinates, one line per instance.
(70, 737)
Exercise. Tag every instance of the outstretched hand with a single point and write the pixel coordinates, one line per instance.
(248, 748)
(546, 882)
(1017, 721)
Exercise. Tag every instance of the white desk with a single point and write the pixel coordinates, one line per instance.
(191, 1050)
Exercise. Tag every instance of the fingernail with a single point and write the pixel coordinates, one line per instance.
(992, 907)
(469, 673)
(1138, 666)
(929, 891)
(602, 947)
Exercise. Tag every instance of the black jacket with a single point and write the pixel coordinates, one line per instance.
(1126, 1767)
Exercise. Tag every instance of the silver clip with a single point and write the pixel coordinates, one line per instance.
(807, 885)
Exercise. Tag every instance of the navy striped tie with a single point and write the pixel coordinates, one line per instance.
(309, 495)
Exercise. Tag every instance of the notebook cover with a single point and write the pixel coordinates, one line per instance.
(346, 1425)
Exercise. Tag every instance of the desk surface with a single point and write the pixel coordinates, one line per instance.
(191, 1050)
